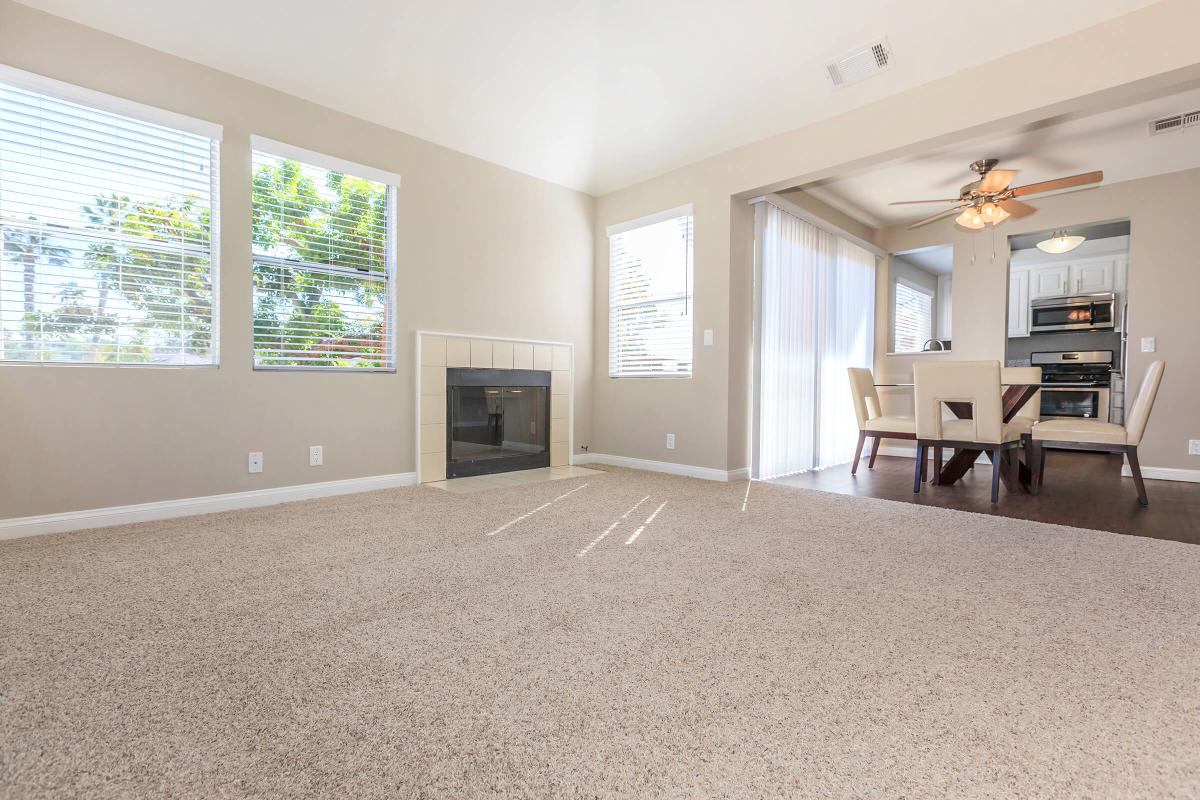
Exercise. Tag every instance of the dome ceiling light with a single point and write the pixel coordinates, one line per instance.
(1059, 243)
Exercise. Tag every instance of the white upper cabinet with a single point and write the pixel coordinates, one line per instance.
(1088, 277)
(1018, 303)
(1050, 281)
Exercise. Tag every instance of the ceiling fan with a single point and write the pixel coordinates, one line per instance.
(992, 198)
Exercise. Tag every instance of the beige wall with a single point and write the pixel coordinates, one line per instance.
(482, 250)
(1101, 67)
(1163, 284)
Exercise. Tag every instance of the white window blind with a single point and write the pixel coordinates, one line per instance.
(913, 318)
(323, 267)
(108, 231)
(650, 297)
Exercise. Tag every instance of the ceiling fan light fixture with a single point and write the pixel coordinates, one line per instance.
(971, 218)
(1059, 243)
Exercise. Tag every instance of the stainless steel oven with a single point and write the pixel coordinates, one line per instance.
(1084, 312)
(1088, 378)
(1082, 403)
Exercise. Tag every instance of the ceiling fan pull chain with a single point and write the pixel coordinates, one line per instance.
(972, 250)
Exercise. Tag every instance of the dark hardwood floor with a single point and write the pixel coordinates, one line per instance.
(1085, 490)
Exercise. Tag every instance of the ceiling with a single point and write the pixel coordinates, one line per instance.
(1116, 142)
(1093, 232)
(591, 94)
(936, 260)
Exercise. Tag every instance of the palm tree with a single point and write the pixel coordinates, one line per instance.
(27, 245)
(106, 214)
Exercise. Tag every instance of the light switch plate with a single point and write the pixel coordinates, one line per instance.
(1148, 344)
(708, 337)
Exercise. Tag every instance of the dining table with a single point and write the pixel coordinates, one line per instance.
(1014, 473)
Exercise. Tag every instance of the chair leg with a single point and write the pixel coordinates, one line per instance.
(918, 470)
(1136, 469)
(996, 475)
(874, 452)
(1037, 463)
(862, 438)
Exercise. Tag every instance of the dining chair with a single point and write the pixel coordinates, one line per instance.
(973, 383)
(871, 419)
(1094, 435)
(1027, 415)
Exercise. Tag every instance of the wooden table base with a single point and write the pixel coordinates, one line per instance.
(1014, 473)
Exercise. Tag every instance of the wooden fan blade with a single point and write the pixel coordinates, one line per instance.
(915, 202)
(1059, 183)
(1016, 208)
(997, 180)
(936, 216)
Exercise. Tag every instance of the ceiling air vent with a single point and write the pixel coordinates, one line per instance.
(1174, 122)
(1166, 124)
(860, 64)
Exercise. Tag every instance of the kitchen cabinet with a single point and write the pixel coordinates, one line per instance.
(1050, 281)
(1088, 277)
(1018, 303)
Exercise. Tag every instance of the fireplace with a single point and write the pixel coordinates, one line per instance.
(497, 420)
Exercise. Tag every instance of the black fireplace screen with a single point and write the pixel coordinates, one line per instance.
(497, 420)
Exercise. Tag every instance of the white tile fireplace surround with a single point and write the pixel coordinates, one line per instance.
(438, 351)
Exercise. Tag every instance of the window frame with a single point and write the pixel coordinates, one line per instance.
(283, 150)
(689, 294)
(919, 289)
(120, 106)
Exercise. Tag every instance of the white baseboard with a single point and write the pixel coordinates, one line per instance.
(17, 527)
(669, 467)
(1164, 474)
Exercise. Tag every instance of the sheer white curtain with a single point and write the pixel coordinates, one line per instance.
(816, 318)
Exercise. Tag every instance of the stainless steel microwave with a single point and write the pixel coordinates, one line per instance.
(1082, 312)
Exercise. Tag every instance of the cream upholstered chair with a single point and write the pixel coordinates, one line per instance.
(1092, 434)
(973, 383)
(871, 419)
(1027, 415)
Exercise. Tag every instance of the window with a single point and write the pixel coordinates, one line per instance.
(108, 229)
(650, 296)
(323, 245)
(913, 317)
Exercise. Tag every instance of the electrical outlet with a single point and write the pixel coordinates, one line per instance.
(1194, 447)
(316, 455)
(1148, 344)
(670, 441)
(709, 337)
(255, 462)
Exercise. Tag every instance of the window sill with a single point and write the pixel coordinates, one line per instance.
(921, 353)
(651, 377)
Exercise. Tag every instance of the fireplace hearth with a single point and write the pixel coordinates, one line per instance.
(497, 420)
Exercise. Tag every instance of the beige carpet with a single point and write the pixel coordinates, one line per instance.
(384, 645)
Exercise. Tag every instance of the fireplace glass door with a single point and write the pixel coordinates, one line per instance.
(493, 427)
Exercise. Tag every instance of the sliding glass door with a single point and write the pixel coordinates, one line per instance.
(815, 318)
